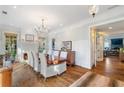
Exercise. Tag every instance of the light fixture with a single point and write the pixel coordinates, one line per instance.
(110, 27)
(42, 36)
(42, 28)
(93, 9)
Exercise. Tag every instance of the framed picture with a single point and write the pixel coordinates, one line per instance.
(29, 37)
(67, 45)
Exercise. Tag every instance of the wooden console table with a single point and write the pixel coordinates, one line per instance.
(71, 58)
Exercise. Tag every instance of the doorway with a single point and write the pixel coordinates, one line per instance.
(108, 49)
(11, 45)
(106, 41)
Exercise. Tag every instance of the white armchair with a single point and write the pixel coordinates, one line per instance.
(55, 55)
(62, 59)
(46, 71)
(36, 62)
(51, 70)
(31, 59)
(60, 68)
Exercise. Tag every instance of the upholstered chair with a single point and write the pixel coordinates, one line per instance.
(63, 56)
(55, 55)
(62, 60)
(50, 70)
(36, 62)
(46, 71)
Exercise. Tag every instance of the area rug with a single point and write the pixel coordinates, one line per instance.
(91, 79)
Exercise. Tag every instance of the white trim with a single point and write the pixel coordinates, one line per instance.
(109, 21)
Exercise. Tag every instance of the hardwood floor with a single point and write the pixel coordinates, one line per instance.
(91, 79)
(23, 76)
(111, 67)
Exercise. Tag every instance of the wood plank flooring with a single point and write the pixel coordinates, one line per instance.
(91, 79)
(23, 76)
(111, 67)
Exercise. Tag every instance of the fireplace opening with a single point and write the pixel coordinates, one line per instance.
(25, 56)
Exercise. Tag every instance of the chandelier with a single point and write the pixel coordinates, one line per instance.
(93, 9)
(42, 28)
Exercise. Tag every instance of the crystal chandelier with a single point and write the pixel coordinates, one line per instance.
(42, 28)
(93, 9)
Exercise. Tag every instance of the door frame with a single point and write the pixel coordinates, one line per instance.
(93, 54)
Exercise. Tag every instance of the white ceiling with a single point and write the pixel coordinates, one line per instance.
(117, 28)
(56, 15)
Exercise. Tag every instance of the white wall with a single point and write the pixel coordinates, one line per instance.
(80, 43)
(26, 47)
